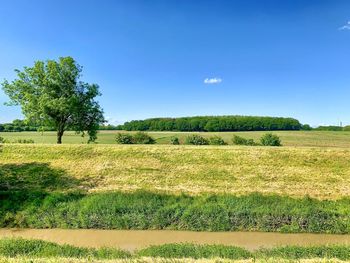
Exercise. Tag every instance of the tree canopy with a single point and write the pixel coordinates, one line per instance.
(51, 94)
(213, 123)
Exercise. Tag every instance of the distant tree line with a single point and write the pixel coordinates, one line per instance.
(209, 123)
(21, 125)
(213, 123)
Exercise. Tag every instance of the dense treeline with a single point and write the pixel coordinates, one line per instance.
(213, 123)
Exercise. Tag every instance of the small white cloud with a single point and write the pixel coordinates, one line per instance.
(346, 26)
(212, 80)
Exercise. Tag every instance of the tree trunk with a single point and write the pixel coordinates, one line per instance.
(59, 136)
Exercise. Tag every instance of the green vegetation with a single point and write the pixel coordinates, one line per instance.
(36, 249)
(124, 138)
(44, 249)
(142, 138)
(196, 139)
(216, 140)
(213, 123)
(329, 128)
(18, 126)
(195, 251)
(289, 138)
(175, 140)
(51, 94)
(296, 252)
(321, 173)
(231, 252)
(270, 139)
(141, 210)
(137, 138)
(238, 140)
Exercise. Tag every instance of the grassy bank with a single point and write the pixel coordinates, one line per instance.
(35, 249)
(289, 138)
(320, 173)
(142, 210)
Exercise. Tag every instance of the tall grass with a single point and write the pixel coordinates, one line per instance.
(195, 251)
(144, 210)
(24, 248)
(39, 248)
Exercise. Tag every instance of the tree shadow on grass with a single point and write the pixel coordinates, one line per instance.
(35, 176)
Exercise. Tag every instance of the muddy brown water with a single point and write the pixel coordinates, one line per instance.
(136, 239)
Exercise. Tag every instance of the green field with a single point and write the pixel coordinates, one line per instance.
(289, 138)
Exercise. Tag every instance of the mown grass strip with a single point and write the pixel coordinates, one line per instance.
(144, 210)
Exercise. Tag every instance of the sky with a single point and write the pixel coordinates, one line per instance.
(171, 58)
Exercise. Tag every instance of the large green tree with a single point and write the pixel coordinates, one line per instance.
(51, 94)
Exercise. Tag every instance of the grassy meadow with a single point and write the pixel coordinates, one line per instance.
(322, 173)
(289, 138)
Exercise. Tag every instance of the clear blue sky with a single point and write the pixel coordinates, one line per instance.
(151, 58)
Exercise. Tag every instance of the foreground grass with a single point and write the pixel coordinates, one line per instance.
(142, 210)
(289, 138)
(36, 250)
(317, 172)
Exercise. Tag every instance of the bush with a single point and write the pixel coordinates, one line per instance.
(306, 127)
(174, 141)
(124, 138)
(238, 140)
(142, 138)
(270, 139)
(216, 140)
(196, 140)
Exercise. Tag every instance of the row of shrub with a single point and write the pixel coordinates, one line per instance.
(267, 139)
(213, 123)
(3, 140)
(144, 210)
(17, 247)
